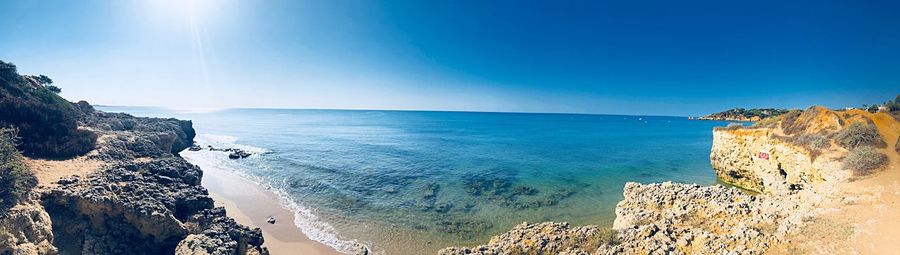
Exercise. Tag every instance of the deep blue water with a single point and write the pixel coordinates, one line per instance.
(409, 182)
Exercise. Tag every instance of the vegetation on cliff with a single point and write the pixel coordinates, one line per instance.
(859, 134)
(864, 160)
(47, 123)
(16, 180)
(741, 114)
(892, 106)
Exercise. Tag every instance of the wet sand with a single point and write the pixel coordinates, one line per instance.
(250, 205)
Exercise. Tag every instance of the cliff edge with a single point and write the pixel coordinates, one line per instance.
(93, 182)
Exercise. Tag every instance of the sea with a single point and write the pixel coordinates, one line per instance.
(413, 182)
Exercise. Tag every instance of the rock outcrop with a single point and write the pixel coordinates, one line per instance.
(144, 200)
(25, 229)
(143, 208)
(665, 218)
(149, 201)
(784, 154)
(758, 159)
(125, 137)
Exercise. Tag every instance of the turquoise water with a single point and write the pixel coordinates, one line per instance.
(406, 182)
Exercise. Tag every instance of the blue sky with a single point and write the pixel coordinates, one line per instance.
(623, 57)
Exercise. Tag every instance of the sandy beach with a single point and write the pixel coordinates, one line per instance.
(250, 205)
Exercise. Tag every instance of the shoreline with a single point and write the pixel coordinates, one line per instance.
(251, 204)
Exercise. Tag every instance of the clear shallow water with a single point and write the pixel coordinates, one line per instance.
(414, 182)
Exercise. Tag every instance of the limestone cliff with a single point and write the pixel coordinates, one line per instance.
(791, 152)
(25, 229)
(756, 159)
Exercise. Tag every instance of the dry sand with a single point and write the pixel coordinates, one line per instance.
(49, 171)
(250, 205)
(865, 215)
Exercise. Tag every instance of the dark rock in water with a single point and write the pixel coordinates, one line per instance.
(428, 198)
(502, 191)
(443, 207)
(524, 191)
(195, 148)
(478, 186)
(271, 220)
(430, 190)
(238, 153)
(463, 228)
(234, 153)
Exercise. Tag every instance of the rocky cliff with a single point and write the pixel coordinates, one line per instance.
(146, 201)
(142, 199)
(792, 152)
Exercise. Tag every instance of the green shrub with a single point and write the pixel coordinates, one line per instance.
(54, 89)
(47, 123)
(16, 180)
(864, 160)
(859, 134)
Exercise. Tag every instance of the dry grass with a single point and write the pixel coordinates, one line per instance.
(865, 160)
(859, 134)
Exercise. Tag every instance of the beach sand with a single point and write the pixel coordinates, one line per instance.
(250, 205)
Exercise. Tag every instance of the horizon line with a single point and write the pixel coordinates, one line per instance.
(393, 110)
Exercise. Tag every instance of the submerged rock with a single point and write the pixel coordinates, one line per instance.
(238, 154)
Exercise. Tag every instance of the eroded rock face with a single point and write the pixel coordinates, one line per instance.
(670, 218)
(142, 208)
(25, 230)
(125, 137)
(215, 233)
(542, 238)
(755, 159)
(782, 155)
(148, 201)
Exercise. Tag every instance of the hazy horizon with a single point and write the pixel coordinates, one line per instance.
(209, 110)
(649, 58)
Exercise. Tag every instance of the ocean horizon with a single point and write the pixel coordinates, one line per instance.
(412, 182)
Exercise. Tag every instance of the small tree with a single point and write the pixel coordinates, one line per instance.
(54, 89)
(44, 80)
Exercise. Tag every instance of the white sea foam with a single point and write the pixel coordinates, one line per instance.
(313, 227)
(304, 217)
(227, 141)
